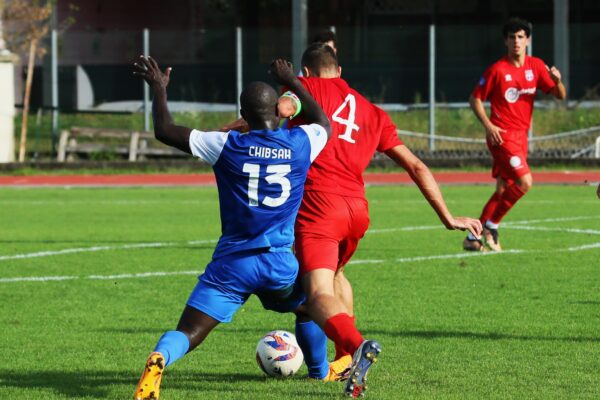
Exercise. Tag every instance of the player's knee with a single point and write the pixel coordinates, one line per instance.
(525, 182)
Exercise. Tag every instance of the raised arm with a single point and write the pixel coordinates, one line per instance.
(422, 176)
(164, 129)
(313, 113)
(559, 91)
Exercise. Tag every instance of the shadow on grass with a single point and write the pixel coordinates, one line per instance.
(480, 336)
(108, 384)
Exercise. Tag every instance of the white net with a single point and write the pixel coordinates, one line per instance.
(580, 143)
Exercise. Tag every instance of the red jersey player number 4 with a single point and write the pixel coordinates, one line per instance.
(359, 128)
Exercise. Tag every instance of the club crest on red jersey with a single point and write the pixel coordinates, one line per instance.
(529, 75)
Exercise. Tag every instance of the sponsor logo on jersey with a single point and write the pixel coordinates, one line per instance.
(267, 152)
(515, 162)
(529, 75)
(481, 81)
(512, 94)
(507, 77)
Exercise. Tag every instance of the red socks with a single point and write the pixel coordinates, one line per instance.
(341, 329)
(339, 350)
(507, 200)
(489, 208)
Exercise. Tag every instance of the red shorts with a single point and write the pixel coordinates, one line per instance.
(328, 228)
(510, 158)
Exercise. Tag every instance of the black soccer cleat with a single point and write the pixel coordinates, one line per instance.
(364, 357)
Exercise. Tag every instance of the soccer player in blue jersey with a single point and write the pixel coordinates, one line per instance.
(260, 177)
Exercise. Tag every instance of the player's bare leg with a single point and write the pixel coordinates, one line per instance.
(195, 325)
(333, 316)
(322, 302)
(343, 292)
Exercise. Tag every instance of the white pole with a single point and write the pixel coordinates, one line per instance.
(431, 87)
(239, 83)
(146, 88)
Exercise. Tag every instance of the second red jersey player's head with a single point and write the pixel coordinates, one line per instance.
(516, 32)
(319, 60)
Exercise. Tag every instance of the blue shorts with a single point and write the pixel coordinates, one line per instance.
(228, 282)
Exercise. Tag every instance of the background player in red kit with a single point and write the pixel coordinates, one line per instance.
(510, 85)
(334, 213)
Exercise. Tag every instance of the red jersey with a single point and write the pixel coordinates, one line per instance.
(511, 91)
(358, 129)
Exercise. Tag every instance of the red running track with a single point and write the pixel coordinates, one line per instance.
(457, 178)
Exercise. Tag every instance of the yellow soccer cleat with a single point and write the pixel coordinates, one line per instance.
(339, 370)
(148, 387)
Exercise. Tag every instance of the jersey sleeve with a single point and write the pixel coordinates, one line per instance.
(207, 145)
(545, 82)
(388, 138)
(317, 136)
(484, 86)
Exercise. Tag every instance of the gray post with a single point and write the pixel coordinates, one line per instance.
(299, 31)
(561, 39)
(146, 88)
(239, 83)
(54, 78)
(431, 87)
(530, 133)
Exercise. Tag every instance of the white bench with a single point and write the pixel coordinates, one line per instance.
(135, 145)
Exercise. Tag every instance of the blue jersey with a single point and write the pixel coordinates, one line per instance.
(260, 176)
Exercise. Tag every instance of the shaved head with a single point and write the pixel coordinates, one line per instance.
(259, 103)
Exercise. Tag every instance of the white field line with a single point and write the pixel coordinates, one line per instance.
(584, 247)
(354, 262)
(504, 225)
(96, 277)
(542, 228)
(531, 221)
(98, 248)
(142, 275)
(371, 231)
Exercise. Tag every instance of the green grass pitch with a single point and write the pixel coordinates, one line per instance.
(119, 265)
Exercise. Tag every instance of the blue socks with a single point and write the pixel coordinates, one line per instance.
(313, 342)
(172, 345)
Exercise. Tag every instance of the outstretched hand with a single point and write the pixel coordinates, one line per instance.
(282, 71)
(147, 69)
(468, 224)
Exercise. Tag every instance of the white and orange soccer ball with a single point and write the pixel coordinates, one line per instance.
(278, 354)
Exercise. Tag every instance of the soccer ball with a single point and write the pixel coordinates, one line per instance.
(278, 354)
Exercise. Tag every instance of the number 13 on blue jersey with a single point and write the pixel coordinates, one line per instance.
(275, 176)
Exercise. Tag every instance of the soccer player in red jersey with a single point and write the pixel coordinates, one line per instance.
(510, 85)
(334, 213)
